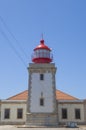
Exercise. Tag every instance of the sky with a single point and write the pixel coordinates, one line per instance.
(63, 25)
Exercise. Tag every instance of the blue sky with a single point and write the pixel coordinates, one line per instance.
(63, 24)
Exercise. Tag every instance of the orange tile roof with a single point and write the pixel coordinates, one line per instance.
(21, 96)
(64, 96)
(59, 96)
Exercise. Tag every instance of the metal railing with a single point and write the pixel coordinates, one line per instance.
(42, 55)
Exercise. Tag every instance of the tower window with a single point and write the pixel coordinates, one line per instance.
(7, 113)
(41, 101)
(20, 113)
(64, 113)
(41, 76)
(77, 113)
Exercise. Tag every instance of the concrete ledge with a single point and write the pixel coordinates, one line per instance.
(12, 123)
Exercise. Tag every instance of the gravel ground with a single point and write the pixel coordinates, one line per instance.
(9, 127)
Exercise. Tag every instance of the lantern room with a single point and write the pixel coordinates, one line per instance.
(42, 54)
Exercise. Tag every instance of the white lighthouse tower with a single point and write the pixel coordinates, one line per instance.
(42, 104)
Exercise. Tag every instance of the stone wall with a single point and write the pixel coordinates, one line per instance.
(71, 106)
(42, 119)
(85, 110)
(13, 106)
(0, 110)
(46, 117)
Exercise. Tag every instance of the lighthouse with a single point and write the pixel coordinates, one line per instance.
(41, 103)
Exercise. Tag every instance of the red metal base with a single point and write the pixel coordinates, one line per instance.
(42, 60)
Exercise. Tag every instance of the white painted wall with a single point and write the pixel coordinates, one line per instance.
(71, 112)
(13, 112)
(44, 86)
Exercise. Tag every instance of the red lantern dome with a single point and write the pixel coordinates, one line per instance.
(42, 54)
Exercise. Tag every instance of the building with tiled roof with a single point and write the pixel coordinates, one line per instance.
(42, 105)
(59, 96)
(70, 109)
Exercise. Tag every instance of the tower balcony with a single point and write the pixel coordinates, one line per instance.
(42, 57)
